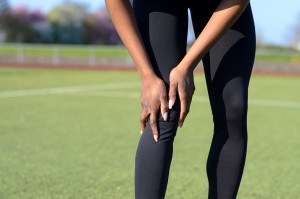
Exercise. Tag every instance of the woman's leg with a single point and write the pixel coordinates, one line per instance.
(163, 27)
(228, 67)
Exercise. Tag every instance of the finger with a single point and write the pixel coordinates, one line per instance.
(143, 119)
(153, 125)
(172, 94)
(164, 106)
(186, 111)
(184, 108)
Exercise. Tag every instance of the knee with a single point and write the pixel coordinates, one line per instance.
(173, 114)
(236, 119)
(236, 110)
(167, 129)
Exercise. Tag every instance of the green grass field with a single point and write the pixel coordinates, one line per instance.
(73, 135)
(65, 50)
(264, 54)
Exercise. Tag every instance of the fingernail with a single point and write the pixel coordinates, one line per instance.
(170, 104)
(155, 138)
(141, 132)
(180, 124)
(165, 116)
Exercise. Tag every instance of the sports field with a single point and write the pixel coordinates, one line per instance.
(263, 54)
(67, 134)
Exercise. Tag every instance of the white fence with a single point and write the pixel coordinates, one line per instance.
(64, 55)
(112, 56)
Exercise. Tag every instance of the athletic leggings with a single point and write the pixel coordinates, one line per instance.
(228, 65)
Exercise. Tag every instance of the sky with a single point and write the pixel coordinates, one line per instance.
(274, 19)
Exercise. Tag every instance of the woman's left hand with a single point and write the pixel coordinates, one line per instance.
(181, 82)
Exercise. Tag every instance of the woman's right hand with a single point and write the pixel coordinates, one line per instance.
(153, 98)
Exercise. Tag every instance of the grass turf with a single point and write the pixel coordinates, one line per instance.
(264, 54)
(65, 51)
(81, 144)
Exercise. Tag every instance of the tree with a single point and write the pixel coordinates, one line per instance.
(66, 20)
(67, 23)
(3, 9)
(91, 31)
(3, 6)
(98, 29)
(17, 24)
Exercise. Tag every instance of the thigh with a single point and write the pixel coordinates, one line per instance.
(229, 62)
(163, 26)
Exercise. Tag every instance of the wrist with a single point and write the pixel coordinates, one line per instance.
(186, 68)
(144, 74)
(191, 60)
(148, 76)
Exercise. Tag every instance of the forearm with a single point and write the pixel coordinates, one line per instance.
(222, 19)
(122, 16)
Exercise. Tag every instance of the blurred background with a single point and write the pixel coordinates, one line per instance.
(51, 27)
(69, 107)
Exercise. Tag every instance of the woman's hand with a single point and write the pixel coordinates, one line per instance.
(181, 82)
(153, 98)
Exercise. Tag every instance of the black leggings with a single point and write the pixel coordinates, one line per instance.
(228, 65)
